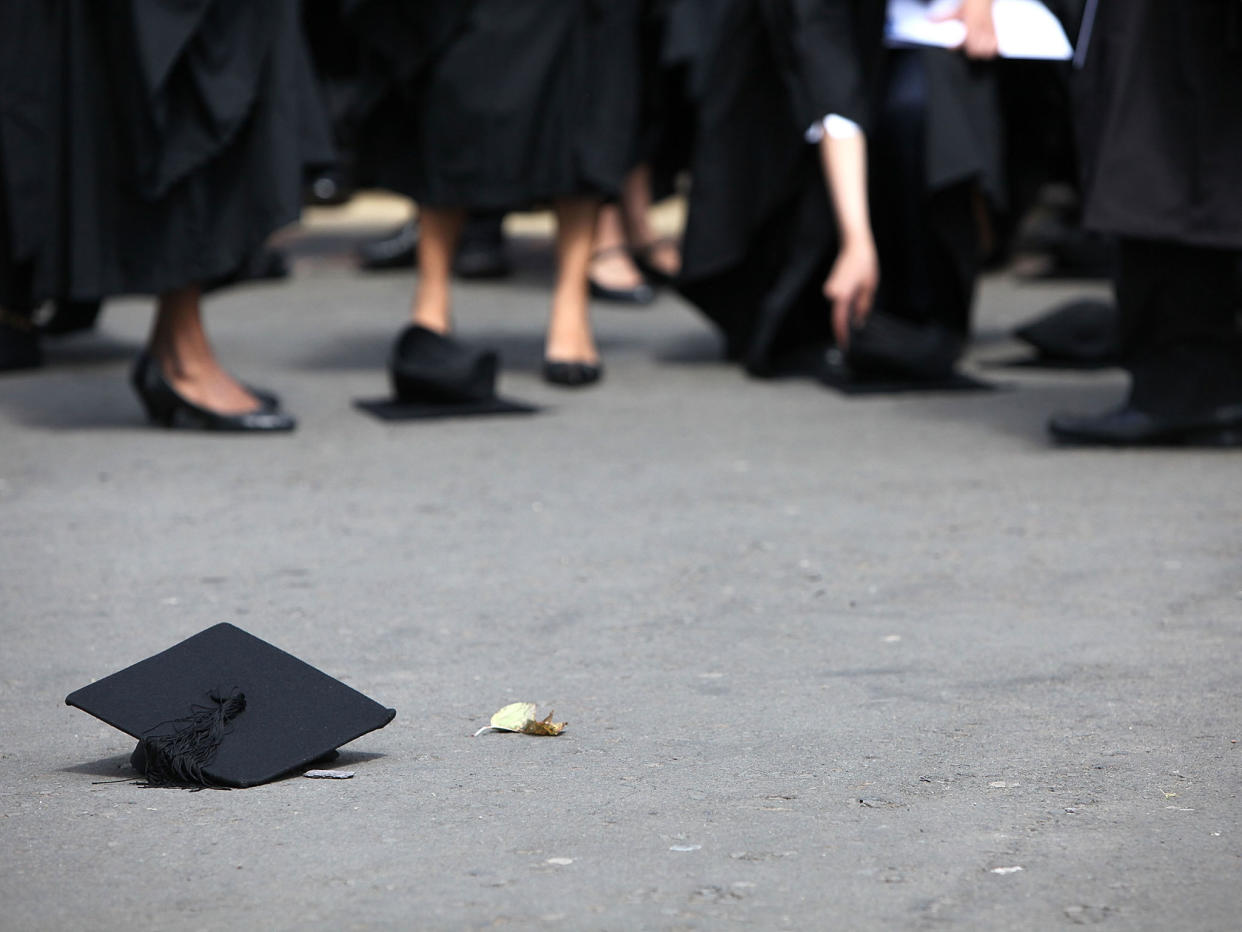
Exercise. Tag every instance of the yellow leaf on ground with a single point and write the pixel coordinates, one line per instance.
(514, 716)
(520, 717)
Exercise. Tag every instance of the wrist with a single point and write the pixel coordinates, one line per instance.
(857, 237)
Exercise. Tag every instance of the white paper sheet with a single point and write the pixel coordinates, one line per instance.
(1024, 28)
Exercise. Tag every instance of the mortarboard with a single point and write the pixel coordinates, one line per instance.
(224, 708)
(888, 354)
(434, 375)
(1080, 334)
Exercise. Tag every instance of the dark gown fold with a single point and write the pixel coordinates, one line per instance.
(498, 104)
(180, 132)
(27, 31)
(1161, 122)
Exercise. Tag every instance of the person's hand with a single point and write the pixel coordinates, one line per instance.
(980, 41)
(850, 286)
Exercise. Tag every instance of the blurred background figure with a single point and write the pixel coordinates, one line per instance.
(1160, 95)
(764, 241)
(760, 234)
(630, 258)
(491, 106)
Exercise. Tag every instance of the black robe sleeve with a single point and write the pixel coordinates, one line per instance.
(818, 46)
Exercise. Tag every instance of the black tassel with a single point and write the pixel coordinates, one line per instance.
(178, 759)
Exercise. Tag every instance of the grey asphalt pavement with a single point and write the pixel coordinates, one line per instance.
(828, 663)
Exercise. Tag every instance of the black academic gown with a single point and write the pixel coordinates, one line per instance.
(180, 131)
(760, 235)
(1161, 118)
(665, 129)
(499, 104)
(27, 30)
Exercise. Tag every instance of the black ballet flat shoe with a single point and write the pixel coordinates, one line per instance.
(268, 399)
(572, 374)
(165, 407)
(640, 294)
(1129, 427)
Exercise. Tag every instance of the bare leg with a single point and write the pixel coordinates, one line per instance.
(611, 265)
(662, 254)
(439, 230)
(569, 327)
(180, 345)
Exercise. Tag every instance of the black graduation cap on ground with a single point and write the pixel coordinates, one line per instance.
(224, 708)
(890, 355)
(435, 376)
(1083, 334)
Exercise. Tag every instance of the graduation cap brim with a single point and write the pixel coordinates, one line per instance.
(293, 714)
(839, 377)
(390, 409)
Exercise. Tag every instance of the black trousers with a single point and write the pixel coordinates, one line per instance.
(1181, 340)
(927, 240)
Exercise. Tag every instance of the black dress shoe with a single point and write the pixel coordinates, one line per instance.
(1130, 427)
(167, 408)
(395, 251)
(572, 374)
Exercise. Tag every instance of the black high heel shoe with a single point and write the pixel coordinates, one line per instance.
(165, 407)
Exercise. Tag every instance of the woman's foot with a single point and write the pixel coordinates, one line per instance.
(167, 406)
(206, 384)
(569, 339)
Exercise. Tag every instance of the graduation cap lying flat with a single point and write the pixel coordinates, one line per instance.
(224, 708)
(435, 376)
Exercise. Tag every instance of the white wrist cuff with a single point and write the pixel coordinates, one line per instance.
(834, 126)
